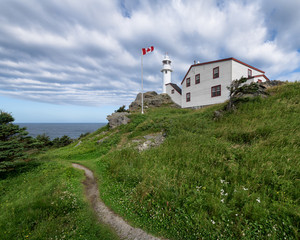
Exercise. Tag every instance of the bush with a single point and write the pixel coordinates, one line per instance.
(61, 142)
(13, 142)
(44, 140)
(239, 88)
(122, 109)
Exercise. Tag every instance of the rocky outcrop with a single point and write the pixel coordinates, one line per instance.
(117, 119)
(102, 140)
(241, 93)
(272, 83)
(151, 99)
(149, 141)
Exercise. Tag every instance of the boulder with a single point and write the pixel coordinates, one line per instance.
(117, 119)
(152, 140)
(151, 99)
(272, 83)
(218, 114)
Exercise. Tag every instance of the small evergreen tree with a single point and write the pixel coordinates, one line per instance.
(13, 141)
(239, 89)
(43, 141)
(61, 142)
(121, 109)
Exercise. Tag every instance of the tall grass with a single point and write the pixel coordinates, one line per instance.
(44, 200)
(235, 178)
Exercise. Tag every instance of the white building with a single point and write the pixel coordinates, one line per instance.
(167, 71)
(206, 83)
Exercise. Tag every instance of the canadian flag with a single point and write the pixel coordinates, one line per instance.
(147, 50)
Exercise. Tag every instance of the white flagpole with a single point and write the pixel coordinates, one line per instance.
(142, 85)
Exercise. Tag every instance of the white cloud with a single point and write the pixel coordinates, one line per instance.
(89, 54)
(295, 76)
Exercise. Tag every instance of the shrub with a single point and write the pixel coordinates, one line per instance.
(13, 142)
(44, 140)
(239, 88)
(61, 142)
(122, 109)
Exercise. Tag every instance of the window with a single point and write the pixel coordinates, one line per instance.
(259, 81)
(197, 79)
(216, 72)
(188, 82)
(188, 97)
(216, 91)
(249, 73)
(166, 72)
(172, 91)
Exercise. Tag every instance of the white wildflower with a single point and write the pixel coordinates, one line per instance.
(222, 200)
(245, 189)
(212, 221)
(258, 200)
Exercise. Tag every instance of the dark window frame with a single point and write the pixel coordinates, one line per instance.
(216, 75)
(197, 81)
(188, 97)
(215, 92)
(249, 73)
(172, 91)
(188, 82)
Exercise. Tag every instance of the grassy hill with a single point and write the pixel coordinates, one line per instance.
(235, 178)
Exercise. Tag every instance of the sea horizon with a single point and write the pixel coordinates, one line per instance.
(60, 122)
(54, 130)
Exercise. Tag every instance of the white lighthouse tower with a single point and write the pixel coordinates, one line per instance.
(167, 71)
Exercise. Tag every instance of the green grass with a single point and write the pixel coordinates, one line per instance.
(235, 178)
(44, 200)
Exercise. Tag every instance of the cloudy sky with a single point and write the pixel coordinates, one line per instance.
(78, 61)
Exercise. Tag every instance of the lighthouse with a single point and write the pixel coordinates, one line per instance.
(166, 71)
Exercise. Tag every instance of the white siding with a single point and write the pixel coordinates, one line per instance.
(166, 79)
(240, 70)
(201, 93)
(176, 96)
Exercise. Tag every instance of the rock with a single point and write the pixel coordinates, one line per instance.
(152, 140)
(78, 143)
(118, 119)
(151, 99)
(102, 140)
(272, 83)
(218, 114)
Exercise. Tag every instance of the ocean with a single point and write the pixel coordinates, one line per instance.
(54, 130)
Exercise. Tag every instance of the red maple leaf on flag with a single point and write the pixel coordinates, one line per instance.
(147, 50)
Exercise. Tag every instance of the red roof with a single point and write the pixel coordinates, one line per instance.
(221, 60)
(262, 75)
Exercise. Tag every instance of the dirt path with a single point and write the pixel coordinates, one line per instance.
(105, 215)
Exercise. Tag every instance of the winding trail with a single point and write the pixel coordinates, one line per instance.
(105, 215)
